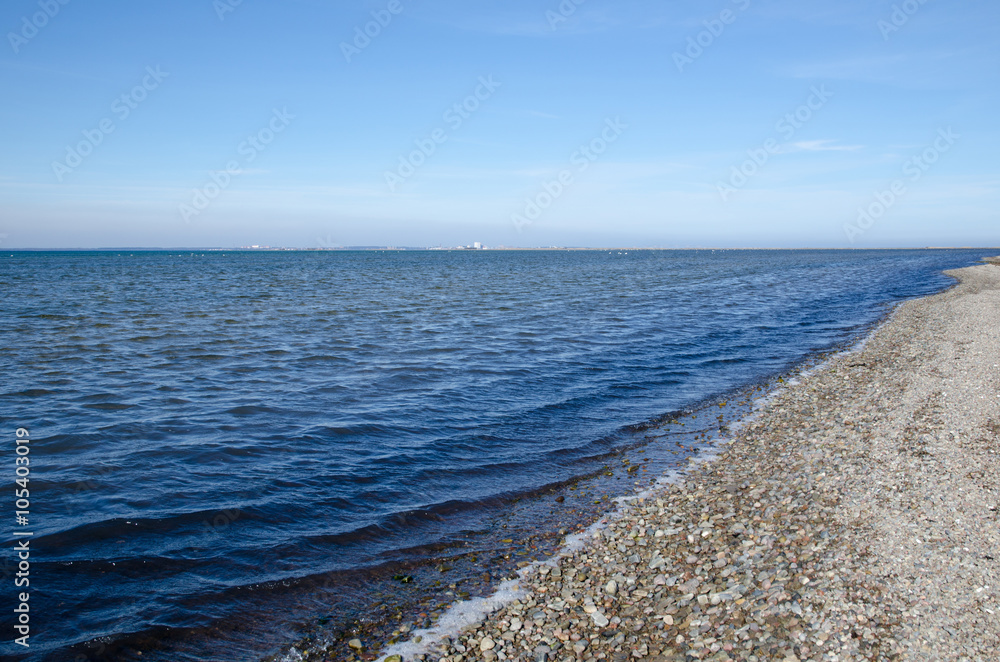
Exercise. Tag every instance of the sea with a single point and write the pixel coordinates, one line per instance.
(237, 453)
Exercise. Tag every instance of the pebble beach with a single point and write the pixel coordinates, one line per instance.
(853, 517)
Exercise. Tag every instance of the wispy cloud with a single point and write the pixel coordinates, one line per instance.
(910, 70)
(521, 112)
(619, 170)
(864, 68)
(538, 113)
(821, 146)
(547, 19)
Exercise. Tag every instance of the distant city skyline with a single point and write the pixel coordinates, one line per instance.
(580, 123)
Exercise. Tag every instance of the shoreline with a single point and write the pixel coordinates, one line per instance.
(787, 553)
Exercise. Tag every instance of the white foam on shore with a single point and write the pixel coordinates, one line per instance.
(294, 655)
(459, 616)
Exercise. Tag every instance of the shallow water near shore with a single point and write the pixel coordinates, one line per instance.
(238, 450)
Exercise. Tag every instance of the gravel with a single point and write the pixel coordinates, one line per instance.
(854, 517)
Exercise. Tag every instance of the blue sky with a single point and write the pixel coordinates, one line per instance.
(596, 124)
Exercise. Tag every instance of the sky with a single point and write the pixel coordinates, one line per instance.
(323, 123)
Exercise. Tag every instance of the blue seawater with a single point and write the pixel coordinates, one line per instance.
(205, 424)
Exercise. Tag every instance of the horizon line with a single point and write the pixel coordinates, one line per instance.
(275, 249)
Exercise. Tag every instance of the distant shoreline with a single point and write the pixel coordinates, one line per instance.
(429, 249)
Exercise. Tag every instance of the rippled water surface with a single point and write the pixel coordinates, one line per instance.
(210, 427)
